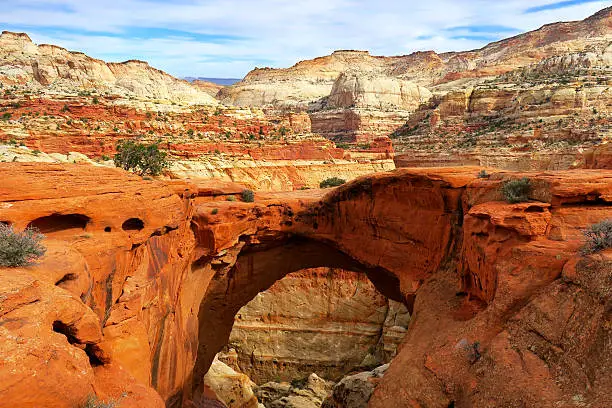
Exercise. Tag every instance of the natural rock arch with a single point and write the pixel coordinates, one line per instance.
(491, 277)
(256, 269)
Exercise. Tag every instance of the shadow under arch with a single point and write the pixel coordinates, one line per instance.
(256, 269)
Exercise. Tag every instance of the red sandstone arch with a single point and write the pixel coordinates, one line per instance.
(398, 229)
(440, 232)
(256, 269)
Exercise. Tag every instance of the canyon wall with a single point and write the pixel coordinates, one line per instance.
(309, 81)
(443, 104)
(142, 280)
(321, 321)
(55, 70)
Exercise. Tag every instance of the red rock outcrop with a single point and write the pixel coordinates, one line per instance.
(145, 277)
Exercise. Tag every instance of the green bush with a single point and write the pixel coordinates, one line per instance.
(214, 211)
(332, 182)
(483, 174)
(19, 248)
(598, 237)
(140, 158)
(517, 191)
(248, 196)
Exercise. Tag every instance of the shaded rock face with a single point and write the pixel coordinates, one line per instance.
(322, 320)
(58, 70)
(498, 292)
(354, 391)
(308, 393)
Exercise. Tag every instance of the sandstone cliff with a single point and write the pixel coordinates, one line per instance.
(55, 70)
(441, 104)
(322, 321)
(142, 278)
(310, 80)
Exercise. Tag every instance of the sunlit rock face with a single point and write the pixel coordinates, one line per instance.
(55, 70)
(324, 321)
(143, 278)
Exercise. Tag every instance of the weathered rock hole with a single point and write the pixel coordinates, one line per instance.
(66, 278)
(60, 222)
(94, 361)
(107, 229)
(133, 224)
(534, 209)
(64, 329)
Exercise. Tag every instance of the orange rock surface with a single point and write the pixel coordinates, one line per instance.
(142, 280)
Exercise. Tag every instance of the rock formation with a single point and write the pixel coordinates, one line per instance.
(308, 81)
(144, 278)
(234, 389)
(323, 321)
(55, 70)
(355, 391)
(531, 102)
(308, 393)
(538, 117)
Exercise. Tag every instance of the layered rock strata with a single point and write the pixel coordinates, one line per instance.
(322, 321)
(55, 70)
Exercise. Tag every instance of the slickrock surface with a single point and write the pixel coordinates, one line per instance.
(146, 277)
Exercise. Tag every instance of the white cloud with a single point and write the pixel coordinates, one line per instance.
(270, 32)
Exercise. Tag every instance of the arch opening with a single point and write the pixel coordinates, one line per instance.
(325, 321)
(133, 224)
(60, 222)
(257, 268)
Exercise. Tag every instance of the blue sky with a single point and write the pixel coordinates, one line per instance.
(228, 38)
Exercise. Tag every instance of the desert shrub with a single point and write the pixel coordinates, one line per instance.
(517, 191)
(93, 402)
(214, 211)
(299, 383)
(332, 182)
(483, 174)
(19, 248)
(248, 196)
(140, 158)
(230, 198)
(598, 237)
